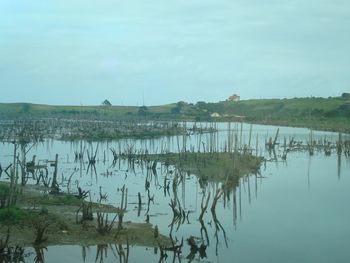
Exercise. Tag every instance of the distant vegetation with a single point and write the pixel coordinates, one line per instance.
(320, 113)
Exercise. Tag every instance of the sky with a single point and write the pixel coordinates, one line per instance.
(151, 52)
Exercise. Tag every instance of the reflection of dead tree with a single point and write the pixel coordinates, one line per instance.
(4, 242)
(163, 255)
(9, 253)
(217, 223)
(101, 253)
(150, 199)
(115, 157)
(93, 169)
(166, 186)
(79, 155)
(92, 163)
(83, 252)
(204, 207)
(195, 248)
(175, 248)
(179, 215)
(123, 253)
(92, 158)
(39, 254)
(103, 196)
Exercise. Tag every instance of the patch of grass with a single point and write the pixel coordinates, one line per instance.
(4, 189)
(13, 215)
(63, 199)
(4, 193)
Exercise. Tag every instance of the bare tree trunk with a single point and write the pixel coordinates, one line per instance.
(54, 184)
(13, 177)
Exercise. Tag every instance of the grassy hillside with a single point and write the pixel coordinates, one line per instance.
(319, 113)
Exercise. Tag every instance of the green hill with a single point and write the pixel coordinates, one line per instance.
(319, 113)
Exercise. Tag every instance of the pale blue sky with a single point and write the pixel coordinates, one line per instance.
(81, 52)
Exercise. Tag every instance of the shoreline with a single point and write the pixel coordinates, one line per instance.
(32, 209)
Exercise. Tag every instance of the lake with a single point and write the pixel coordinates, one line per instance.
(295, 210)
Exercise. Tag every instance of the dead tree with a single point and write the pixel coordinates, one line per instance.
(103, 226)
(54, 185)
(139, 204)
(86, 210)
(13, 178)
(122, 209)
(82, 194)
(40, 227)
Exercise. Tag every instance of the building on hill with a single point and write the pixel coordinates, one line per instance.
(215, 115)
(234, 98)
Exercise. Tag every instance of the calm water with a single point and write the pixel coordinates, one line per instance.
(294, 211)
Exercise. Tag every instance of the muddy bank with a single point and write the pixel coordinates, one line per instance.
(36, 209)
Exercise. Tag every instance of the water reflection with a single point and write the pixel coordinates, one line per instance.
(40, 254)
(177, 202)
